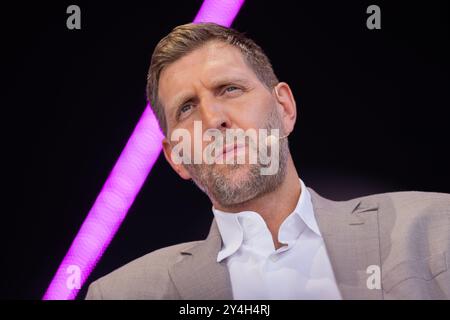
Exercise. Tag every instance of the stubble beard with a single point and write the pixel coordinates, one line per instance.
(234, 184)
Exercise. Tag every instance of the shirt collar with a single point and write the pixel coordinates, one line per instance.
(237, 228)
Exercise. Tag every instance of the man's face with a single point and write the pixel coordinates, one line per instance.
(214, 85)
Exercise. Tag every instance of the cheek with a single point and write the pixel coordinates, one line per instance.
(253, 112)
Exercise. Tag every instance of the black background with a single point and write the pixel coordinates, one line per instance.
(372, 115)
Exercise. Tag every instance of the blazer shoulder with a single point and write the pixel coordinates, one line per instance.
(413, 215)
(410, 201)
(144, 278)
(414, 201)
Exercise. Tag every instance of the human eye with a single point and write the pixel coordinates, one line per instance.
(184, 111)
(232, 90)
(185, 108)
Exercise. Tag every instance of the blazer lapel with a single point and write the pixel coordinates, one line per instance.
(198, 275)
(351, 236)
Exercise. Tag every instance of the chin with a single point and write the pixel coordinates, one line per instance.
(235, 172)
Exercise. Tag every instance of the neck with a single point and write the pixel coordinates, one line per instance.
(274, 207)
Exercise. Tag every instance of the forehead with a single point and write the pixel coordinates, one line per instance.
(203, 66)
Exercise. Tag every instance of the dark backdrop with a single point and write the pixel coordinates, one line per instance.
(372, 105)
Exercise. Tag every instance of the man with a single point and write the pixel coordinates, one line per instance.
(272, 237)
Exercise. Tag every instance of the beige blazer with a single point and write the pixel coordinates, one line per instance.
(384, 246)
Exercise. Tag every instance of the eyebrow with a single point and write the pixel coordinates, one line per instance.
(228, 80)
(215, 84)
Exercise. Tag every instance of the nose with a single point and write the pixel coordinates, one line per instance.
(214, 115)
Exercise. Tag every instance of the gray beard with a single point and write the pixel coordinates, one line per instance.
(219, 184)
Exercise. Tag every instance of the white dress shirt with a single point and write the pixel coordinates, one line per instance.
(300, 270)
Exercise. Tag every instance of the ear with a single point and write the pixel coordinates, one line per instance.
(287, 105)
(179, 168)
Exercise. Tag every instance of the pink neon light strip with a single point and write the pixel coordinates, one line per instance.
(123, 184)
